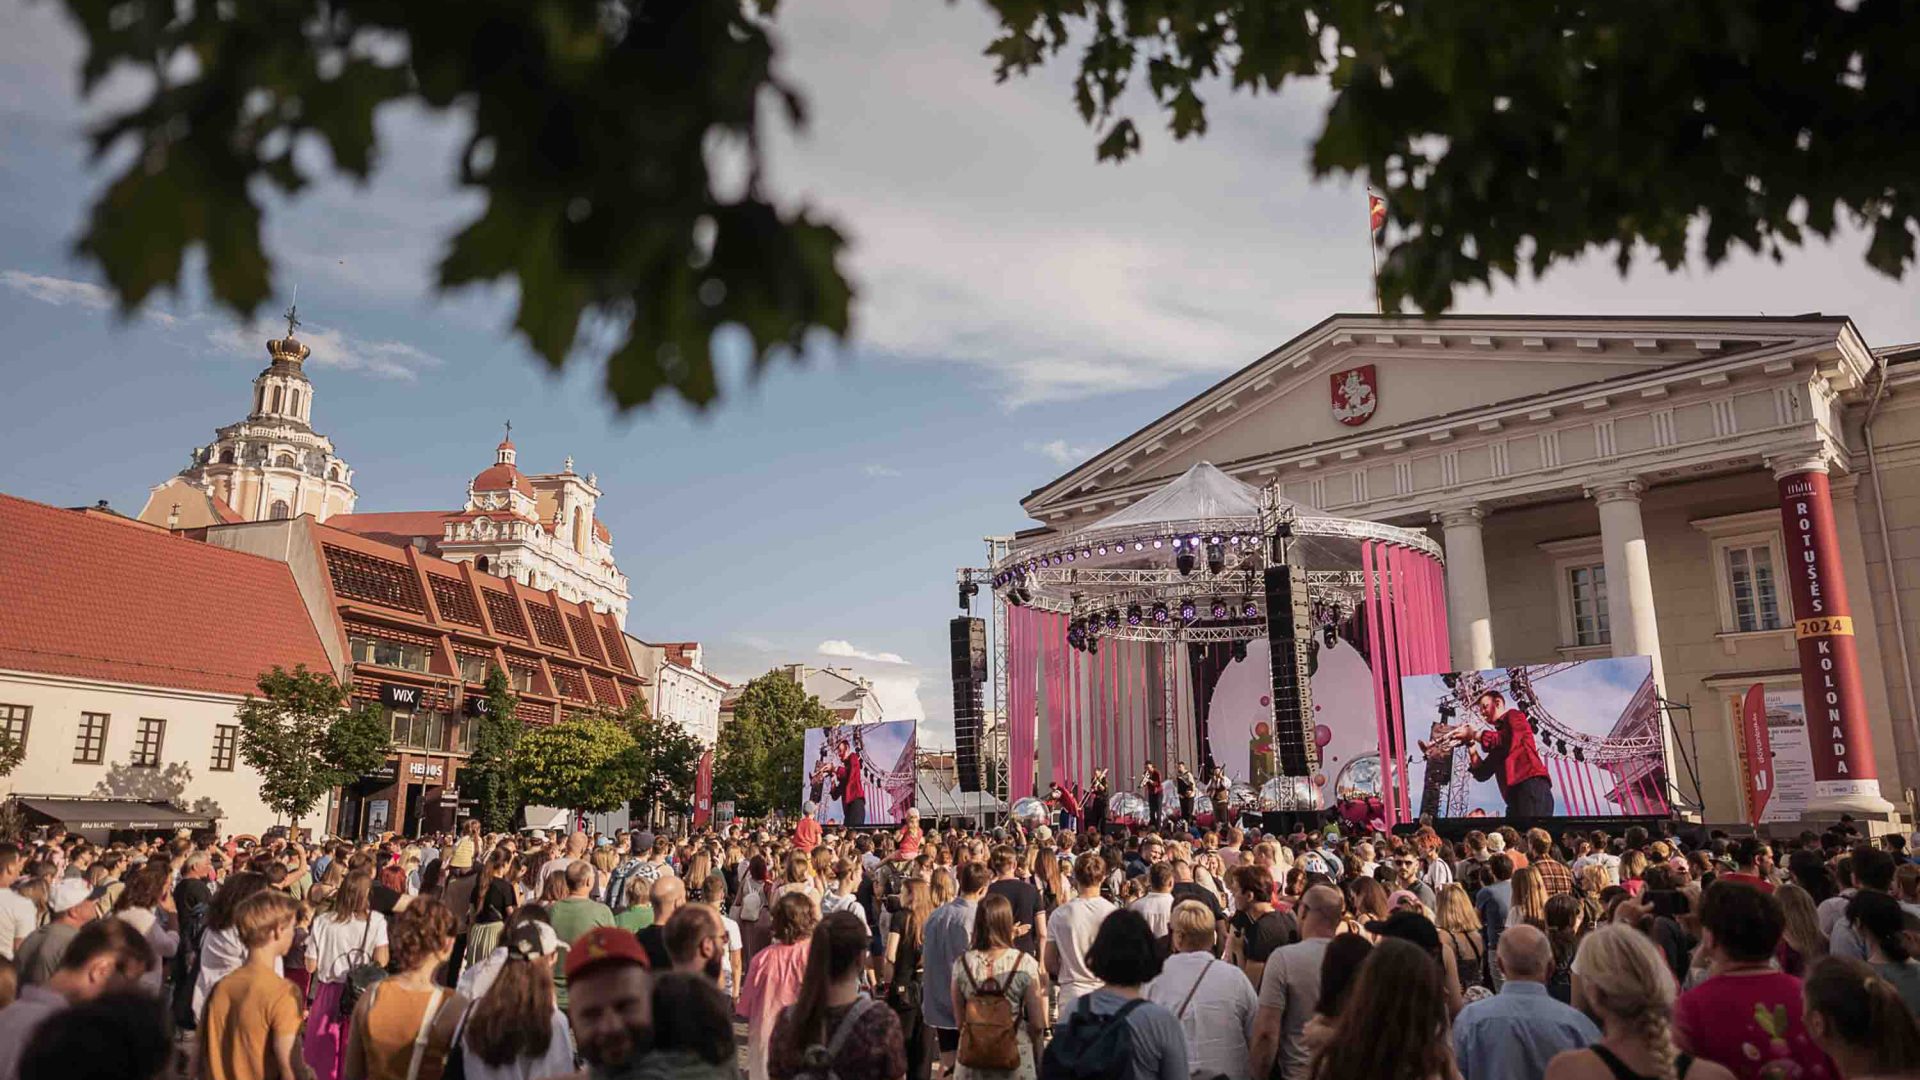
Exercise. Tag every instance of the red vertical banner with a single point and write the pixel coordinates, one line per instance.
(703, 792)
(1759, 743)
(1842, 744)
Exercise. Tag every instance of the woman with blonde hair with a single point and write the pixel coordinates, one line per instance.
(943, 886)
(1803, 943)
(1460, 930)
(1529, 899)
(1621, 979)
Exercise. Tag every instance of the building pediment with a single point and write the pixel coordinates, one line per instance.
(1358, 384)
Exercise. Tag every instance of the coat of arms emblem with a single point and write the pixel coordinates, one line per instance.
(1356, 395)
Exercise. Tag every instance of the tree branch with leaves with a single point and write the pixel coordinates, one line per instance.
(301, 738)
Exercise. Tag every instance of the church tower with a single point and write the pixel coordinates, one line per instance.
(270, 465)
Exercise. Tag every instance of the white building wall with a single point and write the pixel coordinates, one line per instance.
(690, 699)
(185, 775)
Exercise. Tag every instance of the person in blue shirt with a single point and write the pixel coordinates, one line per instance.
(1494, 902)
(1515, 1033)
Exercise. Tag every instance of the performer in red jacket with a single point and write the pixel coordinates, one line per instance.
(1512, 759)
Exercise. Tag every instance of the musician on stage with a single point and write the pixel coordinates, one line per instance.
(1220, 789)
(1095, 806)
(849, 786)
(1156, 790)
(1184, 786)
(1512, 759)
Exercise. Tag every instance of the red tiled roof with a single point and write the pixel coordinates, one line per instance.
(396, 527)
(501, 477)
(93, 599)
(600, 531)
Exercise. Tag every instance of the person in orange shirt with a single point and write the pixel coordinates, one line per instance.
(806, 832)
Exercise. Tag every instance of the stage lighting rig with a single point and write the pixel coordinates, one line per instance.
(1216, 556)
(1161, 614)
(1188, 610)
(1185, 559)
(1219, 608)
(1134, 615)
(1239, 651)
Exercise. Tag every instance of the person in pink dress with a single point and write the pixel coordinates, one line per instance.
(775, 974)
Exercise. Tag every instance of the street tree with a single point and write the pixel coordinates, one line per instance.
(666, 760)
(757, 762)
(585, 762)
(301, 738)
(1506, 138)
(488, 776)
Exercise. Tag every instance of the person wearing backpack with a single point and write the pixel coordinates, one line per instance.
(997, 997)
(346, 947)
(1114, 1032)
(835, 1031)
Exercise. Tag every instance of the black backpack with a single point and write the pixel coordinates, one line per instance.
(1089, 1047)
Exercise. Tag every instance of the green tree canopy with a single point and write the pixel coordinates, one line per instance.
(585, 762)
(1505, 137)
(488, 776)
(757, 763)
(665, 760)
(302, 740)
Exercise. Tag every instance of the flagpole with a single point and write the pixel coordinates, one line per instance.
(1373, 253)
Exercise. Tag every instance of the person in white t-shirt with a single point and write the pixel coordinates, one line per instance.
(715, 893)
(349, 933)
(18, 915)
(1157, 906)
(1211, 998)
(1071, 929)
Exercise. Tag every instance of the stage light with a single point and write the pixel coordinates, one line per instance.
(1156, 545)
(1219, 609)
(1185, 561)
(1113, 618)
(968, 590)
(1450, 680)
(1579, 754)
(1093, 645)
(1448, 712)
(1102, 549)
(1239, 651)
(1134, 617)
(1187, 610)
(1216, 557)
(1330, 635)
(1249, 610)
(1160, 613)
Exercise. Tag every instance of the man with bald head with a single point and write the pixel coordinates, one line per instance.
(1515, 1033)
(1290, 987)
(668, 895)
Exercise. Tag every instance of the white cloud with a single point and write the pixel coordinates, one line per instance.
(847, 650)
(336, 349)
(59, 292)
(880, 471)
(1061, 452)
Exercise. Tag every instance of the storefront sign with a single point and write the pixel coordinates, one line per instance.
(1842, 745)
(426, 770)
(450, 797)
(479, 705)
(395, 696)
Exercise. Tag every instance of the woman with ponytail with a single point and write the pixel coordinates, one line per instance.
(1623, 981)
(1860, 1021)
(1879, 923)
(834, 1028)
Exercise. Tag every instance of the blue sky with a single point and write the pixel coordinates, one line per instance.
(1021, 307)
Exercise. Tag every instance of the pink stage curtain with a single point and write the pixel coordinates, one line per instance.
(1020, 702)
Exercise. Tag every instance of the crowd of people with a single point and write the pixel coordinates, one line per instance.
(1164, 953)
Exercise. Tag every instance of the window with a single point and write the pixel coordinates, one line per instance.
(276, 399)
(279, 512)
(521, 677)
(293, 402)
(393, 654)
(14, 719)
(1751, 587)
(1587, 588)
(473, 668)
(146, 744)
(91, 747)
(419, 730)
(1747, 560)
(226, 743)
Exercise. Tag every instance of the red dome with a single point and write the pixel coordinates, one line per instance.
(500, 478)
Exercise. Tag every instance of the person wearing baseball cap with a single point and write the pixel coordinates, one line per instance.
(71, 902)
(610, 999)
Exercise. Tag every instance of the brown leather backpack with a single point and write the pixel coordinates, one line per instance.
(989, 1024)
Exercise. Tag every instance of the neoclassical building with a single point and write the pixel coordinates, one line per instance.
(1737, 498)
(271, 465)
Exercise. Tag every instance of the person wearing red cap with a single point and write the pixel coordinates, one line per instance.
(610, 998)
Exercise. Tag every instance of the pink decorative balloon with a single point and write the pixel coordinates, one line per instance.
(1265, 701)
(1322, 735)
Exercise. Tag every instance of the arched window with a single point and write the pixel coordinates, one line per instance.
(276, 399)
(333, 472)
(481, 564)
(279, 511)
(293, 402)
(580, 529)
(226, 456)
(285, 461)
(259, 398)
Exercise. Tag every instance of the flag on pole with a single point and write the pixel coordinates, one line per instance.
(1376, 212)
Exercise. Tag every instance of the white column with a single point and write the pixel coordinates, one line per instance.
(1469, 611)
(1623, 544)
